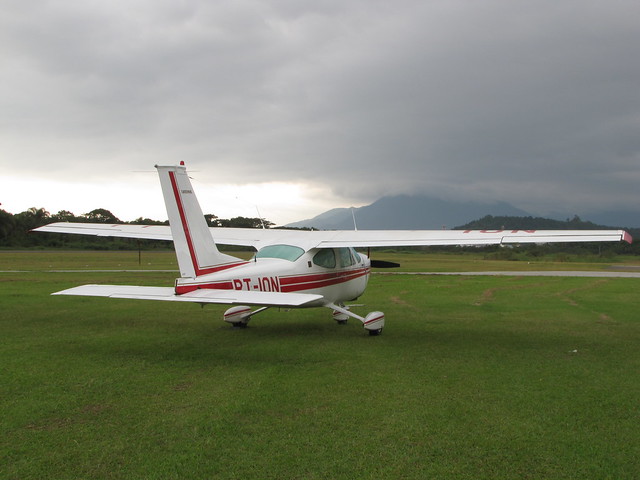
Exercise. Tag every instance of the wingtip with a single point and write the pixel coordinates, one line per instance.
(627, 238)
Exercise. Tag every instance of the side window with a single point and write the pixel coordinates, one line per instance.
(345, 257)
(356, 256)
(325, 258)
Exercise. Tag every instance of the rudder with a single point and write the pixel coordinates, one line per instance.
(195, 248)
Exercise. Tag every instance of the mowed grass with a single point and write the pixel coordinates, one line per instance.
(470, 261)
(473, 377)
(411, 261)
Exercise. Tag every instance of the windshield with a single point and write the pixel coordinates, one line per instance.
(285, 252)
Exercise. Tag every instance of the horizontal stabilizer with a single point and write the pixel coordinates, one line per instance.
(240, 297)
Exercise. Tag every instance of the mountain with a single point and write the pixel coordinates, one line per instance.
(408, 212)
(490, 222)
(618, 218)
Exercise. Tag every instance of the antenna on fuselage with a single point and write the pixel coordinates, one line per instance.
(260, 217)
(257, 210)
(353, 215)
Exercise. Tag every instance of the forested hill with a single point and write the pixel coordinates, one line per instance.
(490, 222)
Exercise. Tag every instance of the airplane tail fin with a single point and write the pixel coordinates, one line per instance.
(195, 248)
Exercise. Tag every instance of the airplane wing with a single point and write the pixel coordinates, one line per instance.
(390, 238)
(147, 232)
(256, 237)
(247, 237)
(198, 296)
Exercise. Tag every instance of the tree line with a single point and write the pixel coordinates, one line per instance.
(15, 229)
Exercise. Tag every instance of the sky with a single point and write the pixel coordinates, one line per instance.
(289, 108)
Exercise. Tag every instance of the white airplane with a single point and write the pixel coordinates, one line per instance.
(292, 268)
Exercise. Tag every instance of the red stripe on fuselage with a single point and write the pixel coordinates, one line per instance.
(294, 283)
(187, 233)
(297, 283)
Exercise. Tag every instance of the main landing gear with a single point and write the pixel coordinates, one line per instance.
(339, 317)
(239, 316)
(373, 323)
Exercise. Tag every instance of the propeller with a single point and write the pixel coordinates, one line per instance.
(381, 263)
(384, 264)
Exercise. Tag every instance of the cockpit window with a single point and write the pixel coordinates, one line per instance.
(356, 256)
(325, 258)
(345, 257)
(284, 252)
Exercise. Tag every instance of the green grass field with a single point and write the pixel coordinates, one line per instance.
(473, 377)
(412, 261)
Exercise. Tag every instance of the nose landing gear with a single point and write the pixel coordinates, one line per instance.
(373, 322)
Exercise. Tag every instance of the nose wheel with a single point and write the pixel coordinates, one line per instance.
(374, 323)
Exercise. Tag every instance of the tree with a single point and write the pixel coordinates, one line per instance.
(244, 222)
(148, 221)
(101, 215)
(63, 216)
(32, 218)
(212, 220)
(26, 221)
(7, 226)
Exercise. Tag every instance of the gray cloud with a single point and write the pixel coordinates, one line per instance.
(530, 102)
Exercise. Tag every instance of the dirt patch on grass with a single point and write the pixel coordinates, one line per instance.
(94, 409)
(182, 387)
(398, 300)
(489, 293)
(486, 296)
(565, 296)
(56, 423)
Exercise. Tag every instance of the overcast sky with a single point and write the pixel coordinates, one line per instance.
(297, 107)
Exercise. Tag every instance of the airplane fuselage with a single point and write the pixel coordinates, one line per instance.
(339, 275)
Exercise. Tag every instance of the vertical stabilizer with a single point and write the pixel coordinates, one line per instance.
(196, 251)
